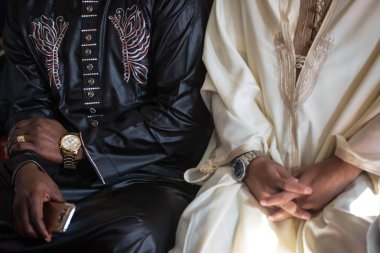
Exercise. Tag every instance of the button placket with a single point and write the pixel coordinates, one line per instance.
(89, 8)
(89, 55)
(91, 81)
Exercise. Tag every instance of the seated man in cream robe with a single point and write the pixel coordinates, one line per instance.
(294, 89)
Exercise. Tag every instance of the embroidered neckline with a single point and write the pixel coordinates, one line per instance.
(47, 36)
(295, 92)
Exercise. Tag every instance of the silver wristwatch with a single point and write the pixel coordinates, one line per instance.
(240, 164)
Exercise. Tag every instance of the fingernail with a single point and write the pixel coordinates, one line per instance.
(47, 238)
(306, 217)
(263, 203)
(308, 190)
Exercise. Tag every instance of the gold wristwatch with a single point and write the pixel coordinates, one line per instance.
(70, 144)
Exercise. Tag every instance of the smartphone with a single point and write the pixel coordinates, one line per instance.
(57, 216)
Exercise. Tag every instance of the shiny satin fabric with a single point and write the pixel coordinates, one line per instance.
(136, 215)
(141, 117)
(140, 108)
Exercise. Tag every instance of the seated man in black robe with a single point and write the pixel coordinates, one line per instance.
(106, 114)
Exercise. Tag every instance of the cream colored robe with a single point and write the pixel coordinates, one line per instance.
(257, 104)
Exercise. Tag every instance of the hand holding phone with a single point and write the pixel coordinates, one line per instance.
(57, 216)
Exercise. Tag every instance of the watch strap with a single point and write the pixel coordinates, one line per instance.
(69, 161)
(244, 160)
(250, 156)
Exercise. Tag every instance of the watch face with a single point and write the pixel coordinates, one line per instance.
(238, 169)
(71, 142)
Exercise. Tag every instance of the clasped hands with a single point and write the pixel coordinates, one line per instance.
(298, 195)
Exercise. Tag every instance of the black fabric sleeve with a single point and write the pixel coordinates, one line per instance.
(24, 86)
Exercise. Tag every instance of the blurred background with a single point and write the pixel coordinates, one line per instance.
(3, 104)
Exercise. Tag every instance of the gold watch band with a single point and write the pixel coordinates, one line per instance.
(69, 162)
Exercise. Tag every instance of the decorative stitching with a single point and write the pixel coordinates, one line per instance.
(318, 14)
(47, 37)
(135, 40)
(90, 59)
(295, 92)
(312, 67)
(92, 88)
(92, 103)
(89, 30)
(300, 61)
(94, 116)
(89, 15)
(89, 45)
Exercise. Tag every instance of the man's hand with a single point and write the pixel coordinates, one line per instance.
(265, 178)
(327, 179)
(41, 136)
(32, 188)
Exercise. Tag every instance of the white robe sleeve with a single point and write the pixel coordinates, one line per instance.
(231, 91)
(363, 149)
(360, 145)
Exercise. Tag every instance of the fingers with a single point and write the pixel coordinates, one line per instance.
(292, 185)
(22, 222)
(279, 215)
(23, 123)
(28, 219)
(57, 196)
(278, 199)
(285, 200)
(286, 182)
(20, 146)
(289, 210)
(36, 217)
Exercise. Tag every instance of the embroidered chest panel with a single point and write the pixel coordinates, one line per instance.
(47, 36)
(135, 40)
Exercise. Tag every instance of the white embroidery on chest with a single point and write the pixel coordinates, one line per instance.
(47, 37)
(135, 39)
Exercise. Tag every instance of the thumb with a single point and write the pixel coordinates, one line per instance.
(58, 196)
(55, 196)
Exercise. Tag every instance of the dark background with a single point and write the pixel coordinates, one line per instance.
(3, 107)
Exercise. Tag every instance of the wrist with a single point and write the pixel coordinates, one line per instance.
(349, 170)
(256, 163)
(28, 166)
(79, 156)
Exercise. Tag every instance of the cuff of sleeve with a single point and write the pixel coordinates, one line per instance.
(22, 164)
(345, 152)
(18, 160)
(87, 151)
